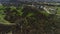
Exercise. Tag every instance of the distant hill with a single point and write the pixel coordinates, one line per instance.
(16, 1)
(42, 0)
(30, 0)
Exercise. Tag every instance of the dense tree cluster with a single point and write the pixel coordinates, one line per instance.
(29, 20)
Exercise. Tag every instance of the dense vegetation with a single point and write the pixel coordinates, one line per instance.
(27, 20)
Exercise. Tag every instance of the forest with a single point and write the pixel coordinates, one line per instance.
(28, 20)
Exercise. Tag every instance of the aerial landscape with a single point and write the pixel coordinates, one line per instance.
(29, 16)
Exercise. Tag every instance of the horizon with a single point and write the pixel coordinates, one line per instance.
(30, 0)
